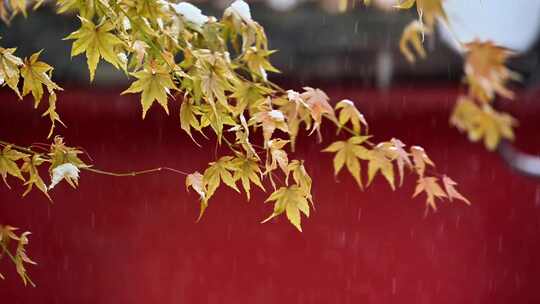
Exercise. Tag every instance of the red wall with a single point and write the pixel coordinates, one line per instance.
(135, 240)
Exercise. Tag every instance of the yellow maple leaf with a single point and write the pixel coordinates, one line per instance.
(394, 149)
(270, 121)
(292, 201)
(188, 119)
(247, 171)
(36, 74)
(9, 69)
(381, 160)
(30, 166)
(430, 186)
(98, 42)
(317, 102)
(420, 159)
(219, 171)
(349, 112)
(348, 153)
(195, 181)
(482, 123)
(486, 72)
(155, 83)
(8, 165)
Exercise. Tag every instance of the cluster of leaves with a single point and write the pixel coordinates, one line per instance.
(14, 246)
(485, 73)
(215, 71)
(35, 75)
(219, 68)
(22, 163)
(486, 76)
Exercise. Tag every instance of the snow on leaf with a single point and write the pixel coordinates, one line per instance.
(66, 171)
(189, 11)
(241, 8)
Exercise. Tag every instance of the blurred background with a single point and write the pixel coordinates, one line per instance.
(317, 41)
(135, 240)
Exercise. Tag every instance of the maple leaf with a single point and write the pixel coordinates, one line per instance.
(247, 171)
(278, 156)
(301, 177)
(348, 112)
(155, 83)
(195, 181)
(485, 70)
(296, 111)
(420, 160)
(432, 189)
(8, 165)
(395, 150)
(449, 186)
(84, 8)
(188, 119)
(249, 96)
(219, 171)
(317, 101)
(30, 166)
(9, 69)
(242, 138)
(216, 117)
(413, 35)
(21, 258)
(98, 42)
(482, 123)
(36, 74)
(270, 121)
(66, 171)
(51, 112)
(257, 62)
(292, 201)
(61, 154)
(380, 160)
(347, 153)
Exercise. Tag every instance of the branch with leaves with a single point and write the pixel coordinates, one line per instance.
(216, 72)
(485, 74)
